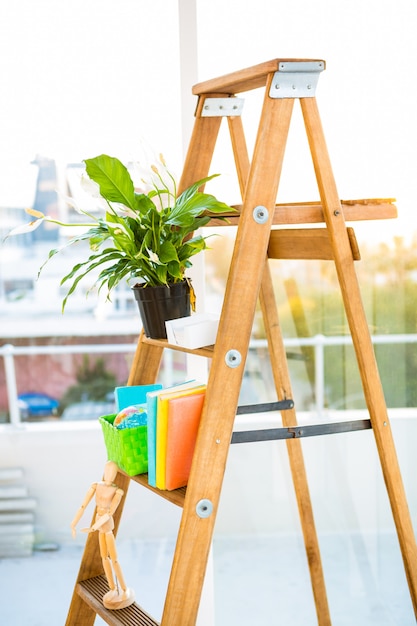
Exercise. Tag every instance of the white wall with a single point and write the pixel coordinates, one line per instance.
(62, 460)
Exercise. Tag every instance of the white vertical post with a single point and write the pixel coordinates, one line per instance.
(11, 384)
(319, 372)
(187, 17)
(187, 11)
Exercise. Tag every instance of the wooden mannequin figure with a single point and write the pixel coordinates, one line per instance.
(108, 497)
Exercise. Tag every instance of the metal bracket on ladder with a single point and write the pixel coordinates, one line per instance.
(222, 107)
(296, 79)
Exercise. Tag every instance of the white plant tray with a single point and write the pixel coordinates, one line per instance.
(192, 332)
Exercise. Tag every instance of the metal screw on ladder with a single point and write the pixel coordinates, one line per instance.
(204, 508)
(233, 358)
(260, 214)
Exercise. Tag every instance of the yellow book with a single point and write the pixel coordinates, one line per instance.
(162, 424)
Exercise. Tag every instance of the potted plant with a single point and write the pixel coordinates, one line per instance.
(145, 236)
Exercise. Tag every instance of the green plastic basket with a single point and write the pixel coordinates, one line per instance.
(127, 447)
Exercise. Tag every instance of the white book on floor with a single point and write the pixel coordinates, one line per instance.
(13, 491)
(10, 473)
(17, 518)
(8, 530)
(18, 504)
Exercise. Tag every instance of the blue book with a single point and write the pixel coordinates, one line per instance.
(136, 394)
(133, 394)
(152, 405)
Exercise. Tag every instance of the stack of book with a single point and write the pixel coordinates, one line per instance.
(173, 418)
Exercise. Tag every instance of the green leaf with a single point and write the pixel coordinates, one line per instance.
(192, 203)
(175, 271)
(168, 252)
(192, 247)
(143, 203)
(113, 179)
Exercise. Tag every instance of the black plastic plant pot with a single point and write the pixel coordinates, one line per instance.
(159, 304)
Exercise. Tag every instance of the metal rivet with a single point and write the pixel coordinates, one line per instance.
(204, 508)
(277, 86)
(308, 86)
(337, 212)
(260, 214)
(385, 423)
(217, 441)
(233, 358)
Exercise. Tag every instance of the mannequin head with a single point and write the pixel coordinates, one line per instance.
(110, 471)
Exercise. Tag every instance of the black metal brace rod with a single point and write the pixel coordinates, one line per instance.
(269, 434)
(281, 405)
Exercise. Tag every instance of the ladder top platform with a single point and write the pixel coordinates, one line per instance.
(247, 79)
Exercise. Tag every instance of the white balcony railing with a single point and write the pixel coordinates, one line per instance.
(318, 342)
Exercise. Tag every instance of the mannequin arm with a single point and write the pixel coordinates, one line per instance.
(116, 501)
(89, 496)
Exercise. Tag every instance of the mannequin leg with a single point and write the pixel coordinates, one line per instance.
(111, 546)
(107, 566)
(116, 598)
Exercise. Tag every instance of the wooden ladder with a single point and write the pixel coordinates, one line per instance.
(259, 237)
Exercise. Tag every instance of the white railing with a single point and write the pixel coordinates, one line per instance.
(9, 352)
(320, 342)
(317, 342)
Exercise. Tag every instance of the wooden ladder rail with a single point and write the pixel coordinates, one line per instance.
(361, 338)
(283, 388)
(216, 428)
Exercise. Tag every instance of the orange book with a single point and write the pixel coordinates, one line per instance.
(184, 413)
(162, 425)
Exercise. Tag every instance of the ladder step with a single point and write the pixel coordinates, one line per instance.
(295, 432)
(312, 212)
(306, 243)
(92, 591)
(177, 496)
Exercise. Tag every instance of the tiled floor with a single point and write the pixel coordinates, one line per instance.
(257, 581)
